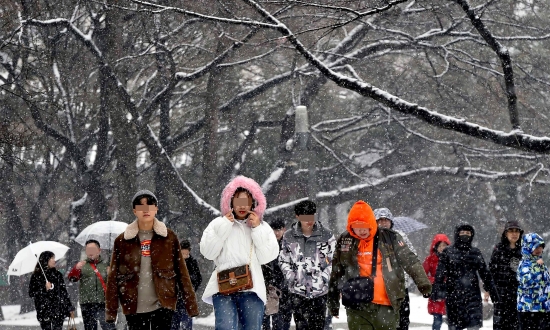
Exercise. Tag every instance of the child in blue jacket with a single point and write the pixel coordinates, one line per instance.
(534, 285)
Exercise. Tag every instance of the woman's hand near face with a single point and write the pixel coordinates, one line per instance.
(229, 216)
(253, 219)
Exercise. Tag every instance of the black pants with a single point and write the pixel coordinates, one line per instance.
(505, 316)
(280, 320)
(93, 313)
(161, 319)
(533, 320)
(309, 313)
(54, 324)
(404, 313)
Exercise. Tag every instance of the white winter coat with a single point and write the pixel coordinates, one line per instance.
(228, 245)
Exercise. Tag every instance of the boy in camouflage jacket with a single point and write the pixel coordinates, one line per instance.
(305, 260)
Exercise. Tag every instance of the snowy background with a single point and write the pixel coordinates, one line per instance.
(437, 111)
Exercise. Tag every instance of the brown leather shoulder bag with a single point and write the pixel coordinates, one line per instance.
(235, 279)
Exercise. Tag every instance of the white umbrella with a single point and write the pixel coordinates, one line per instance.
(25, 260)
(104, 232)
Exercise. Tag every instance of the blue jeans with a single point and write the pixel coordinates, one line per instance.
(438, 321)
(238, 311)
(181, 317)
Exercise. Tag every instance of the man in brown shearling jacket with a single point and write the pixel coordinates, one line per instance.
(147, 271)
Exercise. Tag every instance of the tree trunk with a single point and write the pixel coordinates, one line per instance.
(124, 133)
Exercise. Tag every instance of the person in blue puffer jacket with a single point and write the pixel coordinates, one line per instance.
(534, 285)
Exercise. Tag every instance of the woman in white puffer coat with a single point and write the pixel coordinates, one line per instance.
(238, 238)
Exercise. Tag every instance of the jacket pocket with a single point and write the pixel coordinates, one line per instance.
(165, 282)
(126, 288)
(123, 278)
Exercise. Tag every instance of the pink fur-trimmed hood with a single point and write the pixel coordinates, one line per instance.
(248, 184)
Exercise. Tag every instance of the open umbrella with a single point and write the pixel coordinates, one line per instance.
(25, 260)
(104, 232)
(407, 225)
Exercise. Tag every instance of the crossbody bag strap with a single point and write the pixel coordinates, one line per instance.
(250, 257)
(374, 255)
(98, 274)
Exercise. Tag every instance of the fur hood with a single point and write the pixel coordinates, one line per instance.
(133, 229)
(248, 184)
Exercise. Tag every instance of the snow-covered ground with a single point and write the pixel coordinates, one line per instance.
(13, 318)
(420, 319)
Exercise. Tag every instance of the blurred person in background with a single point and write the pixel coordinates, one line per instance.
(48, 290)
(384, 219)
(281, 319)
(181, 320)
(457, 279)
(436, 307)
(504, 267)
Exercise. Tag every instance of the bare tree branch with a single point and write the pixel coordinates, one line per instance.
(514, 139)
(503, 55)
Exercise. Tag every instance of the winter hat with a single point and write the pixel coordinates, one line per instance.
(361, 216)
(383, 213)
(144, 192)
(512, 224)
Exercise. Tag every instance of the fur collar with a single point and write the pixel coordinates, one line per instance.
(133, 229)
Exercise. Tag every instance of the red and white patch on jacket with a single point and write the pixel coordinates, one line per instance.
(146, 248)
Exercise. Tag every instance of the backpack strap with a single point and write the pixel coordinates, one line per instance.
(374, 255)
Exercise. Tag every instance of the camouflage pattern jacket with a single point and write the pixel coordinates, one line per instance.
(306, 262)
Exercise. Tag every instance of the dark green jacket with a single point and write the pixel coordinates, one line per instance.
(396, 258)
(91, 290)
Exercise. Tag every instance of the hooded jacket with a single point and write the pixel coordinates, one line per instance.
(306, 262)
(170, 274)
(51, 304)
(503, 266)
(430, 266)
(91, 289)
(232, 244)
(396, 258)
(457, 275)
(534, 280)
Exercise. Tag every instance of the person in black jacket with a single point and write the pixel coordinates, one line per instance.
(457, 276)
(48, 290)
(180, 317)
(275, 278)
(503, 266)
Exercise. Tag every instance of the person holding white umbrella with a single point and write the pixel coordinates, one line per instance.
(48, 290)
